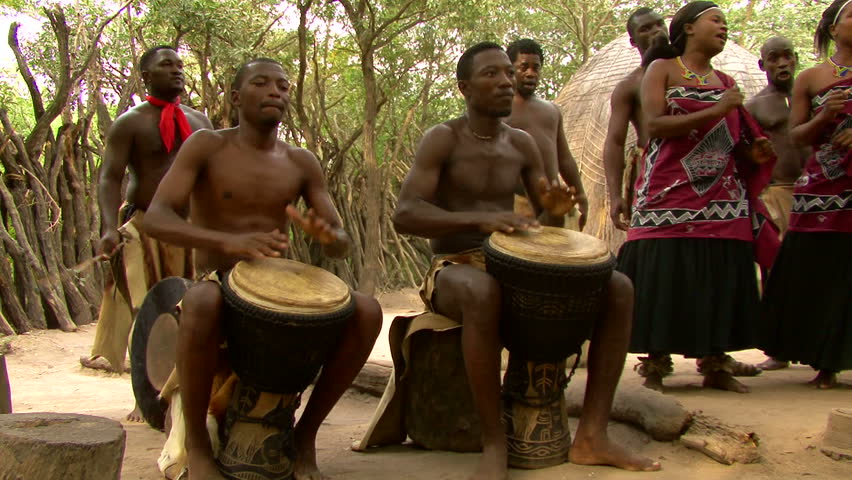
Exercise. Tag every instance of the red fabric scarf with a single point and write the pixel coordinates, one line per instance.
(757, 178)
(171, 113)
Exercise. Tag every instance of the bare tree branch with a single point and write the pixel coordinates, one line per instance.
(260, 38)
(35, 141)
(24, 69)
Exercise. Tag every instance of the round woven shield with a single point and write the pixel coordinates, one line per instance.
(286, 286)
(552, 245)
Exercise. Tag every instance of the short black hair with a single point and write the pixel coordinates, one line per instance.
(633, 16)
(239, 77)
(464, 69)
(822, 37)
(524, 45)
(775, 39)
(147, 57)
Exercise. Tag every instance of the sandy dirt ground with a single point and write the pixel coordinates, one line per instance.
(788, 416)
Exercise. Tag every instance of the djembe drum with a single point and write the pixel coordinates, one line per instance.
(283, 319)
(553, 285)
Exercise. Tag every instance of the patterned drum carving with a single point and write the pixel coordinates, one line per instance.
(537, 433)
(258, 435)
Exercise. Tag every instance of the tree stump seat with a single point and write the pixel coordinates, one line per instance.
(60, 446)
(439, 410)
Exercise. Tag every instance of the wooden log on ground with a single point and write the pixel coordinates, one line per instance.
(373, 378)
(5, 390)
(661, 416)
(724, 443)
(60, 446)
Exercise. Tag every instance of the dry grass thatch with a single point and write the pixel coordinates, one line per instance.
(584, 102)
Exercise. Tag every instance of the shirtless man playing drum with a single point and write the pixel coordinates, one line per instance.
(459, 190)
(242, 183)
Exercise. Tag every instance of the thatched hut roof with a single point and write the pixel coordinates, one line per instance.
(585, 107)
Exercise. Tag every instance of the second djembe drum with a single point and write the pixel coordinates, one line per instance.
(283, 319)
(553, 285)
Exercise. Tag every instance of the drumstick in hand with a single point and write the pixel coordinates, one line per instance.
(82, 266)
(313, 225)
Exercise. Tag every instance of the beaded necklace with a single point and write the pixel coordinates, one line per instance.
(840, 71)
(689, 74)
(481, 137)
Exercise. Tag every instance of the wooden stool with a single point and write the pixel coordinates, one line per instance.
(837, 440)
(439, 411)
(60, 446)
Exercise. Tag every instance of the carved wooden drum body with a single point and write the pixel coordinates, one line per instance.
(553, 285)
(283, 319)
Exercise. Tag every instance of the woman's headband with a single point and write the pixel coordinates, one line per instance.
(717, 8)
(695, 17)
(837, 17)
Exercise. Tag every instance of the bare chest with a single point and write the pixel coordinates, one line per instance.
(537, 120)
(148, 146)
(773, 114)
(485, 172)
(252, 183)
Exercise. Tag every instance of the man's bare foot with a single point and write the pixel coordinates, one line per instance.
(306, 459)
(723, 380)
(493, 464)
(653, 381)
(824, 380)
(96, 362)
(772, 363)
(602, 451)
(136, 415)
(202, 466)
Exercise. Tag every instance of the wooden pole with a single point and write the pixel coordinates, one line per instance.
(5, 391)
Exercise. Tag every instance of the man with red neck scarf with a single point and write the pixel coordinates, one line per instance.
(143, 142)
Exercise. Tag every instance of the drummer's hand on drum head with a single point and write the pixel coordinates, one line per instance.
(557, 199)
(256, 245)
(314, 225)
(506, 222)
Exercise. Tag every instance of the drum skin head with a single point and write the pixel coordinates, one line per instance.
(552, 245)
(155, 321)
(287, 286)
(162, 349)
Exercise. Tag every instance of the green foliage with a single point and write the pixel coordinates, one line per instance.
(8, 6)
(16, 103)
(215, 37)
(762, 19)
(410, 46)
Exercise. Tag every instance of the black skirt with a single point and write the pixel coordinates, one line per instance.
(807, 308)
(693, 296)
